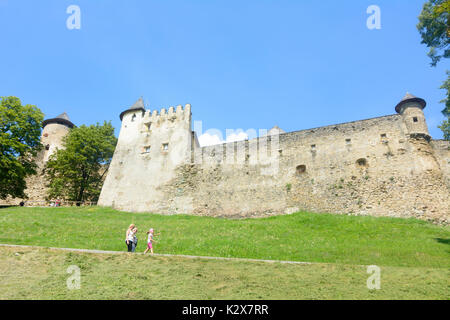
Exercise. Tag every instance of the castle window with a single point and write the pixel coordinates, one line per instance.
(149, 125)
(348, 141)
(415, 119)
(147, 149)
(133, 118)
(313, 147)
(301, 169)
(165, 146)
(383, 135)
(362, 162)
(47, 147)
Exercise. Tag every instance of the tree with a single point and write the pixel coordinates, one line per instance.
(76, 172)
(445, 125)
(434, 27)
(446, 86)
(20, 131)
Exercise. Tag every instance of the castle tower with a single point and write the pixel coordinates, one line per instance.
(410, 107)
(424, 162)
(53, 132)
(150, 147)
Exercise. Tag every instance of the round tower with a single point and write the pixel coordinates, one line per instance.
(136, 107)
(411, 109)
(53, 132)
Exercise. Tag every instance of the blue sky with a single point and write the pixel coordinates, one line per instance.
(240, 64)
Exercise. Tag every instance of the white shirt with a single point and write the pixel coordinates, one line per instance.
(130, 236)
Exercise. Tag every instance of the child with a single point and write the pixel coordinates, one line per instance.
(135, 240)
(150, 241)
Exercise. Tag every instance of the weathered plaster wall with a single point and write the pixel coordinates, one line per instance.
(141, 164)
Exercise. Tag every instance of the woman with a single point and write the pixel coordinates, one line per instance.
(129, 238)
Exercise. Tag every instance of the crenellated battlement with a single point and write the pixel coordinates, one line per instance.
(172, 113)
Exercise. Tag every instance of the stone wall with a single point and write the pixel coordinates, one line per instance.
(384, 166)
(442, 153)
(368, 167)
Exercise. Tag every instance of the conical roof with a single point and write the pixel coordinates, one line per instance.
(63, 119)
(137, 106)
(410, 98)
(63, 116)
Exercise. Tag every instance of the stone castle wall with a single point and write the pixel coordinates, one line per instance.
(442, 153)
(384, 166)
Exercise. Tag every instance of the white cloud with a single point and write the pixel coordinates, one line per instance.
(237, 137)
(208, 139)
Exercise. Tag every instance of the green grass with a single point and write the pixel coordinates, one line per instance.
(302, 236)
(42, 274)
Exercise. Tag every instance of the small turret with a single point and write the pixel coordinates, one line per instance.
(137, 106)
(410, 107)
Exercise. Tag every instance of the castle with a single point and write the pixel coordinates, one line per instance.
(384, 166)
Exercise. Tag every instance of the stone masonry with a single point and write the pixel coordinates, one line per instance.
(385, 166)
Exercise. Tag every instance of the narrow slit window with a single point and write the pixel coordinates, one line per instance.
(165, 146)
(133, 118)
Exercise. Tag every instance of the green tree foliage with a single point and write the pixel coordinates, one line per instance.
(20, 130)
(434, 27)
(445, 125)
(76, 172)
(446, 86)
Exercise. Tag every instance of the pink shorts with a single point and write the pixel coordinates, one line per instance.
(149, 245)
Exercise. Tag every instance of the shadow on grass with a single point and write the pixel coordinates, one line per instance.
(4, 206)
(444, 241)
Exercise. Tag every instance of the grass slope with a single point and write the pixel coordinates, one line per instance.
(42, 274)
(299, 237)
